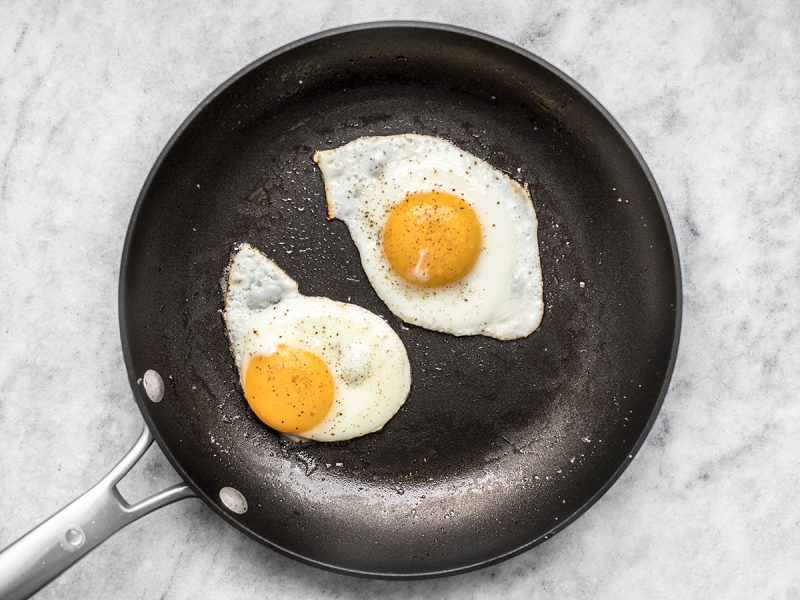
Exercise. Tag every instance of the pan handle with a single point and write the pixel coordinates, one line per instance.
(53, 546)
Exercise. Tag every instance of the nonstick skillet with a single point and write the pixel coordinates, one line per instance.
(500, 444)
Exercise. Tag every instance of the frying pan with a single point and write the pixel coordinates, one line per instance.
(500, 444)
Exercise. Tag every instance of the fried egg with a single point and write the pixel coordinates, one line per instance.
(310, 367)
(447, 241)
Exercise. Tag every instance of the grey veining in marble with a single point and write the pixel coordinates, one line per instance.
(710, 93)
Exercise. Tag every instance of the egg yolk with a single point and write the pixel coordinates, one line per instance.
(432, 238)
(290, 390)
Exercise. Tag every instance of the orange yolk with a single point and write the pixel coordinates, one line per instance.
(432, 238)
(290, 390)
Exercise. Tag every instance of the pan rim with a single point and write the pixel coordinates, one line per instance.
(355, 28)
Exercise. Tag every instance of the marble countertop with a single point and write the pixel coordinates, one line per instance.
(710, 94)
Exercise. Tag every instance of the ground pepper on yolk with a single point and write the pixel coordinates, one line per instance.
(290, 390)
(432, 238)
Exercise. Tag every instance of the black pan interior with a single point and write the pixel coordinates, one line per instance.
(500, 444)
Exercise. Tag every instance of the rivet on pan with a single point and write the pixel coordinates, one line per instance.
(233, 500)
(153, 385)
(74, 538)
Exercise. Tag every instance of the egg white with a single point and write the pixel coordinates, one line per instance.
(501, 297)
(368, 361)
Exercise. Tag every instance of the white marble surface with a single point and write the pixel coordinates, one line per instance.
(710, 93)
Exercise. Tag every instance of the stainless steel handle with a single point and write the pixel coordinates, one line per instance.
(49, 549)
